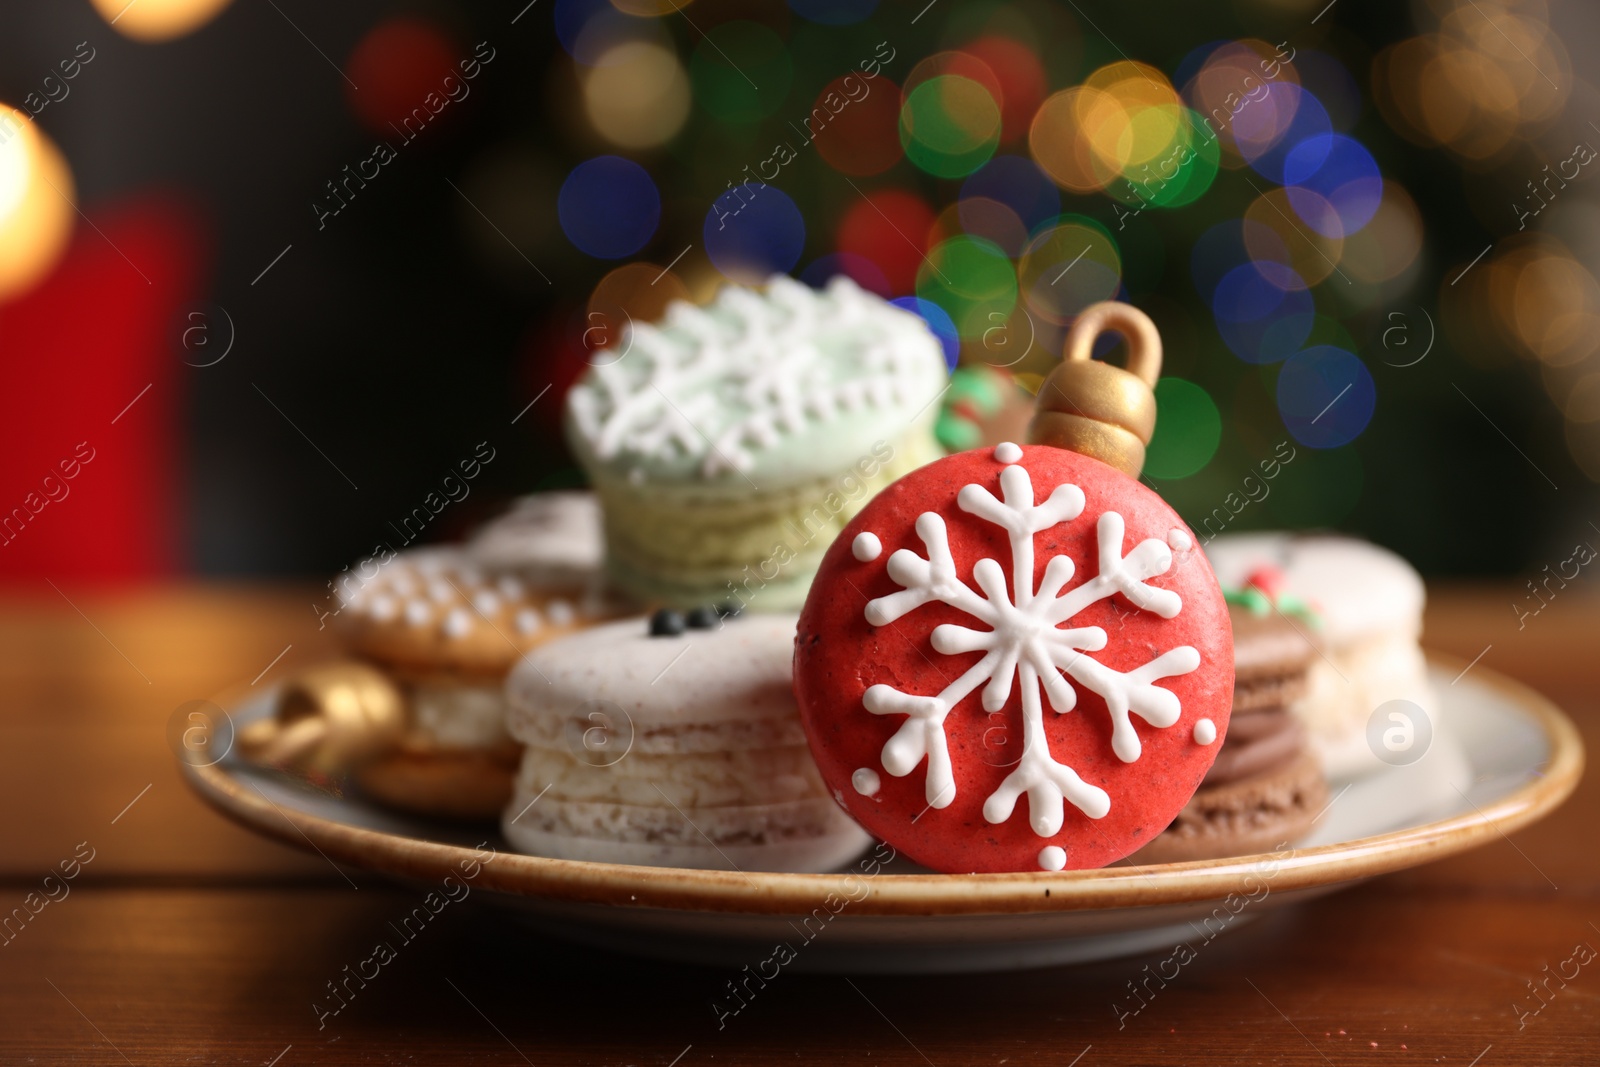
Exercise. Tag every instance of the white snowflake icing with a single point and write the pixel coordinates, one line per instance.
(1026, 644)
(719, 385)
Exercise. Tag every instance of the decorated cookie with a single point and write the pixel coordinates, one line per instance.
(1015, 659)
(552, 540)
(671, 741)
(730, 443)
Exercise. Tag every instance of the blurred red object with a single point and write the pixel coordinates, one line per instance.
(89, 421)
(396, 65)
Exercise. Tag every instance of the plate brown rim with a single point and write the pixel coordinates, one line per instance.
(762, 893)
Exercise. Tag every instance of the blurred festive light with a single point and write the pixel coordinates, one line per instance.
(634, 292)
(1283, 122)
(1436, 91)
(1331, 170)
(637, 95)
(855, 124)
(1152, 112)
(589, 29)
(986, 218)
(1517, 38)
(1388, 244)
(609, 207)
(889, 227)
(961, 64)
(397, 64)
(752, 89)
(939, 322)
(1069, 266)
(1583, 400)
(1326, 396)
(1018, 183)
(1261, 320)
(36, 203)
(973, 280)
(158, 20)
(1064, 134)
(1234, 78)
(1188, 430)
(1219, 250)
(1553, 303)
(1022, 81)
(949, 125)
(1182, 174)
(858, 269)
(834, 12)
(753, 231)
(1287, 254)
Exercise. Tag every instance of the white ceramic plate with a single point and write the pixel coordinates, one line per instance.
(1502, 756)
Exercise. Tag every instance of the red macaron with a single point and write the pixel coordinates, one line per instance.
(976, 729)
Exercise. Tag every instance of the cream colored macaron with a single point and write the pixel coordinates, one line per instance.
(682, 749)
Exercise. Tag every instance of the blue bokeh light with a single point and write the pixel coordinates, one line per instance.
(609, 207)
(1255, 122)
(1219, 250)
(1342, 172)
(1326, 396)
(939, 321)
(1020, 185)
(754, 230)
(1262, 320)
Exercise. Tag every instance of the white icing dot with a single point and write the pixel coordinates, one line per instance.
(384, 608)
(561, 613)
(1178, 540)
(418, 612)
(1205, 732)
(486, 603)
(866, 781)
(527, 621)
(443, 592)
(458, 623)
(509, 588)
(866, 546)
(1007, 452)
(1052, 858)
(403, 585)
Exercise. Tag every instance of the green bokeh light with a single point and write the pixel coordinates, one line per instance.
(949, 126)
(973, 281)
(750, 90)
(1188, 430)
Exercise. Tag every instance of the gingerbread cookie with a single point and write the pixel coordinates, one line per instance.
(1015, 659)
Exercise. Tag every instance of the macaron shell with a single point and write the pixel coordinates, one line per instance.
(839, 656)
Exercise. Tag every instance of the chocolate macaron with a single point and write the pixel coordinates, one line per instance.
(1266, 787)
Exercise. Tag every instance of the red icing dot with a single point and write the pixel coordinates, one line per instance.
(840, 655)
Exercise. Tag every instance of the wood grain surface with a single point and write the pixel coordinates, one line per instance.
(185, 939)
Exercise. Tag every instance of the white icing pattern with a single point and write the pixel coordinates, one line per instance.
(1025, 643)
(866, 547)
(866, 781)
(1205, 732)
(721, 384)
(1007, 452)
(1052, 858)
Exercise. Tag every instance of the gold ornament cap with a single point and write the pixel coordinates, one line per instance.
(1095, 408)
(331, 718)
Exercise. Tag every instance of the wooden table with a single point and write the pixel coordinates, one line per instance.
(187, 940)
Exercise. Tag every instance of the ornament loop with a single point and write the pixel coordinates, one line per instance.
(1144, 340)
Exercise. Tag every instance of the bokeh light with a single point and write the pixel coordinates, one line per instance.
(637, 95)
(855, 124)
(1292, 253)
(397, 64)
(741, 71)
(949, 125)
(1326, 396)
(753, 231)
(1284, 120)
(939, 322)
(1021, 79)
(609, 207)
(890, 228)
(158, 20)
(1069, 266)
(973, 280)
(1018, 183)
(633, 292)
(36, 203)
(1389, 243)
(1262, 320)
(1332, 170)
(834, 12)
(590, 29)
(1064, 134)
(1188, 430)
(982, 217)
